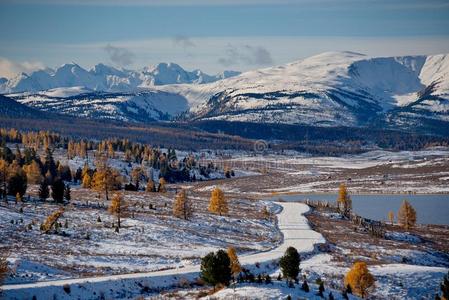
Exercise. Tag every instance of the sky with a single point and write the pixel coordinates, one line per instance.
(212, 35)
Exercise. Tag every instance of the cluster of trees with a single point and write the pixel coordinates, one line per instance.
(219, 268)
(18, 169)
(406, 215)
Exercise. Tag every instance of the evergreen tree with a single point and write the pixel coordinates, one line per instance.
(215, 268)
(218, 203)
(78, 175)
(407, 215)
(359, 279)
(67, 193)
(305, 286)
(289, 263)
(49, 164)
(57, 190)
(4, 177)
(17, 180)
(44, 192)
(182, 207)
(321, 289)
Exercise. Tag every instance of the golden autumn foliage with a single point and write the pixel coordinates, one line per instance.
(235, 264)
(182, 207)
(344, 200)
(105, 179)
(33, 172)
(407, 215)
(118, 207)
(87, 181)
(150, 186)
(360, 279)
(162, 183)
(391, 217)
(218, 203)
(51, 220)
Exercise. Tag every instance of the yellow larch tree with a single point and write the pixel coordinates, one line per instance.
(218, 203)
(118, 207)
(407, 215)
(344, 200)
(236, 268)
(359, 279)
(182, 207)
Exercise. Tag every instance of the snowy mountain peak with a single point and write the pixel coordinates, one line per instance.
(105, 78)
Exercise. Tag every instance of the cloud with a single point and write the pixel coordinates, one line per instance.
(9, 68)
(249, 55)
(119, 56)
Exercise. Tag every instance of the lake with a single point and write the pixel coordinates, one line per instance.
(430, 209)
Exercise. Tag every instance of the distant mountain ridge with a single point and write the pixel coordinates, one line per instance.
(106, 78)
(331, 89)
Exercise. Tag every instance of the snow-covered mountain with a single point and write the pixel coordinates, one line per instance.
(106, 79)
(330, 89)
(142, 107)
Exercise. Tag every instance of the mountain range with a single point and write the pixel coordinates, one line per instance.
(327, 90)
(106, 78)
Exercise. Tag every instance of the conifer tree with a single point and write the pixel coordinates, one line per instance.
(150, 186)
(3, 177)
(34, 172)
(182, 207)
(344, 200)
(118, 207)
(289, 263)
(67, 193)
(218, 203)
(162, 183)
(17, 180)
(87, 181)
(391, 217)
(49, 164)
(215, 268)
(105, 179)
(407, 215)
(44, 192)
(235, 264)
(57, 190)
(444, 287)
(359, 279)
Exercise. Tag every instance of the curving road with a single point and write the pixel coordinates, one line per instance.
(292, 222)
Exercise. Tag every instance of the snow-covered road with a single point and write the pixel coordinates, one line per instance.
(292, 222)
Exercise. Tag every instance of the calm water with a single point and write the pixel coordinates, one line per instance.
(430, 209)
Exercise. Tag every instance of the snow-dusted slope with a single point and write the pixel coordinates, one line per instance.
(330, 89)
(106, 78)
(144, 106)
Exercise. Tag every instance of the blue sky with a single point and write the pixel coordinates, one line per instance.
(213, 35)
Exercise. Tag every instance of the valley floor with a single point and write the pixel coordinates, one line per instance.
(161, 253)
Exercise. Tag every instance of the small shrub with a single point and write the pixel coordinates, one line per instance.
(66, 288)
